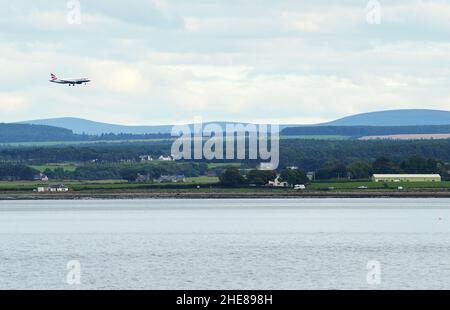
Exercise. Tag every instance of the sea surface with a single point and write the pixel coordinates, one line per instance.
(225, 244)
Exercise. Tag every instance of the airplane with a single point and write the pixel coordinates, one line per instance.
(71, 82)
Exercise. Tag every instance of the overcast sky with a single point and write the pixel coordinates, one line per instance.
(166, 61)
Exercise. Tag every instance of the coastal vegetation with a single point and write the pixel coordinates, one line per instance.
(321, 165)
(307, 154)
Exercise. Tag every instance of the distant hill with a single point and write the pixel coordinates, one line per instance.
(80, 126)
(17, 133)
(37, 133)
(361, 131)
(411, 117)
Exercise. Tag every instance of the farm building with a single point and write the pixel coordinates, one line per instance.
(171, 179)
(406, 178)
(52, 188)
(278, 183)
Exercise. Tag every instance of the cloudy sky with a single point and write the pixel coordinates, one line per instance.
(166, 61)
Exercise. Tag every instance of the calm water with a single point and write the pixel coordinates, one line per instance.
(226, 244)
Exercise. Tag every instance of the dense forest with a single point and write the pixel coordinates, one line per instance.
(312, 154)
(329, 159)
(360, 131)
(117, 171)
(363, 169)
(35, 133)
(10, 133)
(127, 171)
(13, 171)
(103, 153)
(308, 154)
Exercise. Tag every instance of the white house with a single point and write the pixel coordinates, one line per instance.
(165, 158)
(145, 158)
(53, 189)
(299, 187)
(278, 183)
(58, 188)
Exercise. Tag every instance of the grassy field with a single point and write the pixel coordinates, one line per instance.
(205, 182)
(212, 166)
(104, 184)
(318, 137)
(55, 143)
(30, 185)
(378, 186)
(66, 167)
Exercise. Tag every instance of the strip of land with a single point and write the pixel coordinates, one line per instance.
(222, 194)
(431, 136)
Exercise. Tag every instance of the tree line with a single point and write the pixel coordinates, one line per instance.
(42, 133)
(359, 131)
(18, 171)
(232, 177)
(363, 169)
(308, 154)
(357, 170)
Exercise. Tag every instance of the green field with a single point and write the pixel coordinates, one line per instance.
(212, 166)
(203, 180)
(66, 167)
(30, 185)
(378, 186)
(104, 184)
(317, 137)
(56, 143)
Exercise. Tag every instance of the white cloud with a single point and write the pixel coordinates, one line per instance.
(117, 77)
(327, 19)
(418, 12)
(13, 102)
(167, 61)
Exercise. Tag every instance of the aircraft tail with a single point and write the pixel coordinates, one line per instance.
(54, 77)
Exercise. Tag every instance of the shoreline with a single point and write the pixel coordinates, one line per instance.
(5, 196)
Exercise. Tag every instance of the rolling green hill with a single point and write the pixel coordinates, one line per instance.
(38, 133)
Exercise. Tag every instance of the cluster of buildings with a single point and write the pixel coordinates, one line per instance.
(58, 188)
(278, 183)
(160, 158)
(171, 179)
(162, 179)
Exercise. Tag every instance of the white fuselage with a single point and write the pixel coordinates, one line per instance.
(72, 82)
